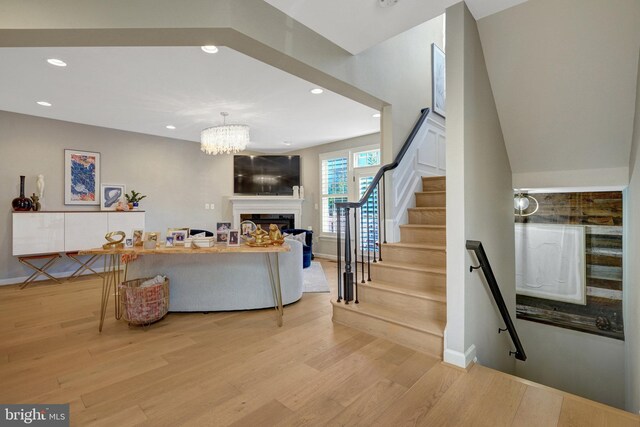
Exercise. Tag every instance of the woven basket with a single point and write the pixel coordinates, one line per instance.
(143, 306)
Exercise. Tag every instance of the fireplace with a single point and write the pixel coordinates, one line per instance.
(284, 211)
(283, 221)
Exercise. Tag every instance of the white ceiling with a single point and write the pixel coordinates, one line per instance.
(564, 76)
(356, 25)
(143, 89)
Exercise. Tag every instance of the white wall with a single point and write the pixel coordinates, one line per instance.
(176, 176)
(479, 202)
(587, 365)
(632, 271)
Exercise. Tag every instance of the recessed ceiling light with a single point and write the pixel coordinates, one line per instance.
(172, 127)
(287, 143)
(316, 91)
(44, 103)
(57, 62)
(376, 115)
(209, 49)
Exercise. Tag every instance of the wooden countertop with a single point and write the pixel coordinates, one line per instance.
(181, 250)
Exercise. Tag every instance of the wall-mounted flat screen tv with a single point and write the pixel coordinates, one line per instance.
(270, 175)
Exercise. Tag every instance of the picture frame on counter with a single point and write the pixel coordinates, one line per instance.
(234, 238)
(179, 236)
(223, 226)
(111, 195)
(168, 242)
(137, 235)
(81, 177)
(222, 237)
(128, 242)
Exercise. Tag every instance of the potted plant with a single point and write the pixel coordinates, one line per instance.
(133, 199)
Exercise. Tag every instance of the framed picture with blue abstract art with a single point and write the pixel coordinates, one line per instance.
(81, 177)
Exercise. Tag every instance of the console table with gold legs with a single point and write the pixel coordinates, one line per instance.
(113, 274)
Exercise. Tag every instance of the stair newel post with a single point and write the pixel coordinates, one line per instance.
(384, 209)
(338, 254)
(348, 274)
(368, 243)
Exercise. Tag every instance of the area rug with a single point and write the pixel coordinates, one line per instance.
(314, 279)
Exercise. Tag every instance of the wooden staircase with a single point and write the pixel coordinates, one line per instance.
(405, 302)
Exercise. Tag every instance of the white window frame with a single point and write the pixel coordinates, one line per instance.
(352, 171)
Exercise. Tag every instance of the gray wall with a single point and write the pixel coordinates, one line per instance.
(632, 273)
(583, 364)
(479, 201)
(176, 176)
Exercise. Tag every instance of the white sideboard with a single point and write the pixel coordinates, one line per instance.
(50, 232)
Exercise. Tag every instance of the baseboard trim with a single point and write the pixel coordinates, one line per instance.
(330, 257)
(461, 360)
(57, 275)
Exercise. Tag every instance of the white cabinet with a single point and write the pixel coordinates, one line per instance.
(36, 233)
(50, 232)
(125, 221)
(84, 230)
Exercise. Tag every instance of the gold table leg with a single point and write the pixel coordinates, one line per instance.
(111, 275)
(275, 287)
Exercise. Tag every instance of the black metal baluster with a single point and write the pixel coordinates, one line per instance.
(355, 244)
(368, 243)
(384, 207)
(362, 245)
(379, 242)
(338, 254)
(348, 274)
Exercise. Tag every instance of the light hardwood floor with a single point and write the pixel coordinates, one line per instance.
(239, 368)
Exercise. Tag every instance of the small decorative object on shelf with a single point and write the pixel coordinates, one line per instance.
(133, 199)
(40, 186)
(296, 192)
(275, 235)
(114, 240)
(247, 227)
(260, 237)
(301, 193)
(35, 200)
(22, 204)
(234, 238)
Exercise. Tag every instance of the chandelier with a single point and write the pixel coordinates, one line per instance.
(224, 139)
(522, 202)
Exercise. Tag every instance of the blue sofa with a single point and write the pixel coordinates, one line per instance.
(307, 249)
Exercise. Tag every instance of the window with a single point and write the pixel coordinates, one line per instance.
(369, 217)
(363, 159)
(342, 175)
(335, 183)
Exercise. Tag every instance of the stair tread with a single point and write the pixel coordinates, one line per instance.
(423, 226)
(428, 208)
(410, 266)
(432, 192)
(438, 295)
(418, 246)
(427, 326)
(434, 178)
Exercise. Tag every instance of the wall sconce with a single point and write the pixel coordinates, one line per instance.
(522, 203)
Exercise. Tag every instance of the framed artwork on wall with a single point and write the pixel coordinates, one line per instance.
(438, 82)
(81, 177)
(110, 195)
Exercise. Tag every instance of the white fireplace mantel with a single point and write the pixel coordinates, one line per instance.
(266, 205)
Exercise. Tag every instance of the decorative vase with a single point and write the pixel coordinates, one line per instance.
(135, 206)
(301, 192)
(22, 203)
(296, 192)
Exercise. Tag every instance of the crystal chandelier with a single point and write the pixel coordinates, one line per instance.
(224, 139)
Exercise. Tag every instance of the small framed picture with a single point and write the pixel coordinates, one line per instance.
(234, 238)
(179, 237)
(128, 242)
(111, 195)
(247, 227)
(222, 236)
(152, 235)
(168, 242)
(223, 226)
(137, 237)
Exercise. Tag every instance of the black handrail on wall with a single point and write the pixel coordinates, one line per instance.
(476, 246)
(373, 226)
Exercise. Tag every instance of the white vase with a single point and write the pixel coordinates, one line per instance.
(40, 186)
(296, 192)
(301, 193)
